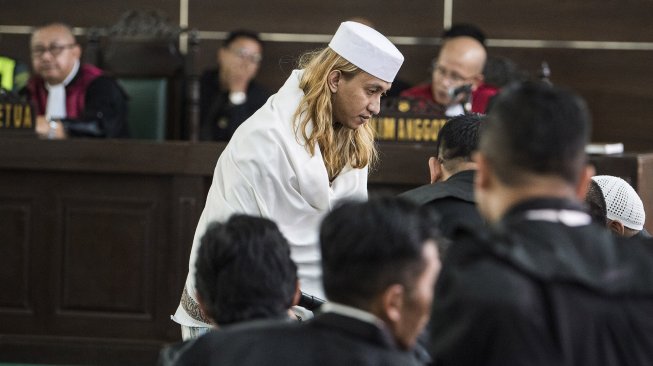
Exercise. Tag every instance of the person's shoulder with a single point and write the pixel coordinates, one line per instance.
(419, 195)
(472, 266)
(106, 85)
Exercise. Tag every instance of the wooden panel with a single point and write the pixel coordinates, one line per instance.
(616, 85)
(564, 20)
(15, 225)
(79, 13)
(91, 284)
(24, 256)
(112, 227)
(317, 17)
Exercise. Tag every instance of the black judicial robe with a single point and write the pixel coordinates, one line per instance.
(544, 291)
(328, 339)
(219, 118)
(452, 199)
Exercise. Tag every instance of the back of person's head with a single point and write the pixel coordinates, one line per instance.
(596, 203)
(381, 257)
(242, 33)
(535, 129)
(244, 271)
(367, 246)
(464, 29)
(458, 139)
(622, 202)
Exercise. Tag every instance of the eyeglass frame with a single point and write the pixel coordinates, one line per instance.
(53, 49)
(453, 76)
(254, 58)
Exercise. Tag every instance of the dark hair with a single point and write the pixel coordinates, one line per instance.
(241, 33)
(596, 203)
(369, 246)
(244, 270)
(458, 138)
(464, 29)
(535, 128)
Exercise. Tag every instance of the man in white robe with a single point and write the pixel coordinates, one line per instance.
(267, 170)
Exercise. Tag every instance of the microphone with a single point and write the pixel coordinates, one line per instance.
(461, 90)
(310, 302)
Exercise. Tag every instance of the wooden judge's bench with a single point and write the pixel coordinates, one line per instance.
(96, 236)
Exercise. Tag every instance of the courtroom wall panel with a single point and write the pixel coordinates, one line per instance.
(589, 20)
(78, 13)
(615, 83)
(317, 17)
(613, 77)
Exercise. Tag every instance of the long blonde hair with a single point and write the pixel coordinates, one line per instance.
(340, 145)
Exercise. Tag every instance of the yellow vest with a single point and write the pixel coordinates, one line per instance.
(7, 72)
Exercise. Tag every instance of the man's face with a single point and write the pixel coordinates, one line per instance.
(356, 100)
(54, 53)
(240, 60)
(460, 62)
(417, 303)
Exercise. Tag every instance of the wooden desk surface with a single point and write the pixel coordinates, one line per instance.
(77, 283)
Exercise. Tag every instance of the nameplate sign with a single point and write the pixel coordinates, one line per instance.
(16, 117)
(408, 120)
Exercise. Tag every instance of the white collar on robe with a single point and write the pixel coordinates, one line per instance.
(346, 310)
(56, 104)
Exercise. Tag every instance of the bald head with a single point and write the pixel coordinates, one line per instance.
(460, 62)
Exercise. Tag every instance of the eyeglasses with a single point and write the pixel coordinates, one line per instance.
(244, 55)
(453, 76)
(54, 49)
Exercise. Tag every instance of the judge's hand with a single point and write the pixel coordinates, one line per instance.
(49, 130)
(236, 78)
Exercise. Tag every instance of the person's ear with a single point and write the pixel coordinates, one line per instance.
(617, 227)
(297, 296)
(333, 79)
(477, 81)
(584, 181)
(435, 168)
(77, 51)
(392, 302)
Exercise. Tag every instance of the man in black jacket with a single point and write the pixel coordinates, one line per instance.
(380, 262)
(451, 192)
(228, 94)
(545, 286)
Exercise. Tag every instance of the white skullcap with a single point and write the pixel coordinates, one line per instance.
(621, 201)
(368, 49)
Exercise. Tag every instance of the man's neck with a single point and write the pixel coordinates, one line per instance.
(504, 197)
(460, 167)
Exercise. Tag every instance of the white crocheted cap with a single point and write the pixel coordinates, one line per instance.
(621, 201)
(368, 49)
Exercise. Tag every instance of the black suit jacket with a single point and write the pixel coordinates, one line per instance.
(452, 199)
(544, 287)
(219, 119)
(328, 339)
